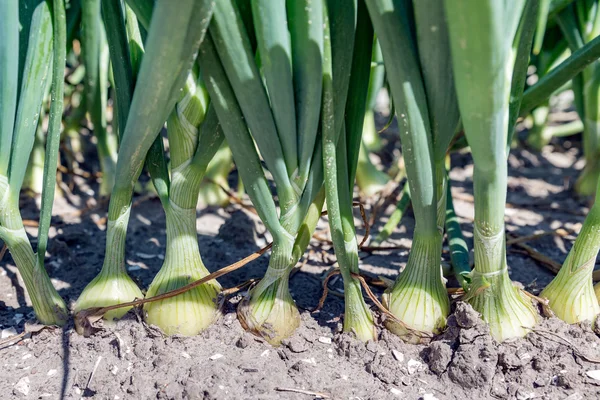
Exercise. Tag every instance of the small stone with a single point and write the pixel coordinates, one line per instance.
(413, 366)
(185, 355)
(594, 374)
(398, 356)
(396, 392)
(52, 372)
(114, 370)
(26, 356)
(310, 361)
(325, 340)
(372, 346)
(22, 387)
(525, 356)
(524, 395)
(429, 396)
(296, 344)
(574, 396)
(216, 357)
(243, 342)
(265, 353)
(8, 332)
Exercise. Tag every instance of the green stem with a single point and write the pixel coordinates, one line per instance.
(49, 307)
(357, 317)
(501, 304)
(112, 285)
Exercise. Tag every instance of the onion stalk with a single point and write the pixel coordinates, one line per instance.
(482, 35)
(43, 45)
(156, 92)
(194, 137)
(231, 74)
(285, 131)
(339, 159)
(571, 292)
(423, 93)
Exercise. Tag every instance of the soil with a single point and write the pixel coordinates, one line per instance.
(130, 360)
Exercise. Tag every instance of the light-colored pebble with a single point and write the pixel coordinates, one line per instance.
(216, 356)
(22, 386)
(52, 372)
(574, 396)
(398, 356)
(8, 332)
(310, 361)
(26, 356)
(114, 370)
(594, 374)
(413, 366)
(325, 340)
(185, 355)
(396, 392)
(265, 353)
(429, 396)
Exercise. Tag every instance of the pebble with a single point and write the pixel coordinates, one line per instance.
(574, 396)
(185, 355)
(429, 396)
(265, 353)
(413, 366)
(310, 361)
(22, 386)
(398, 356)
(52, 372)
(114, 370)
(216, 357)
(8, 332)
(523, 395)
(325, 340)
(396, 392)
(594, 374)
(26, 356)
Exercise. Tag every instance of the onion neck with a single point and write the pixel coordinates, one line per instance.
(502, 305)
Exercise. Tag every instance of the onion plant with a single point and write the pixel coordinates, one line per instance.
(484, 38)
(571, 292)
(423, 93)
(157, 89)
(43, 42)
(194, 137)
(280, 110)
